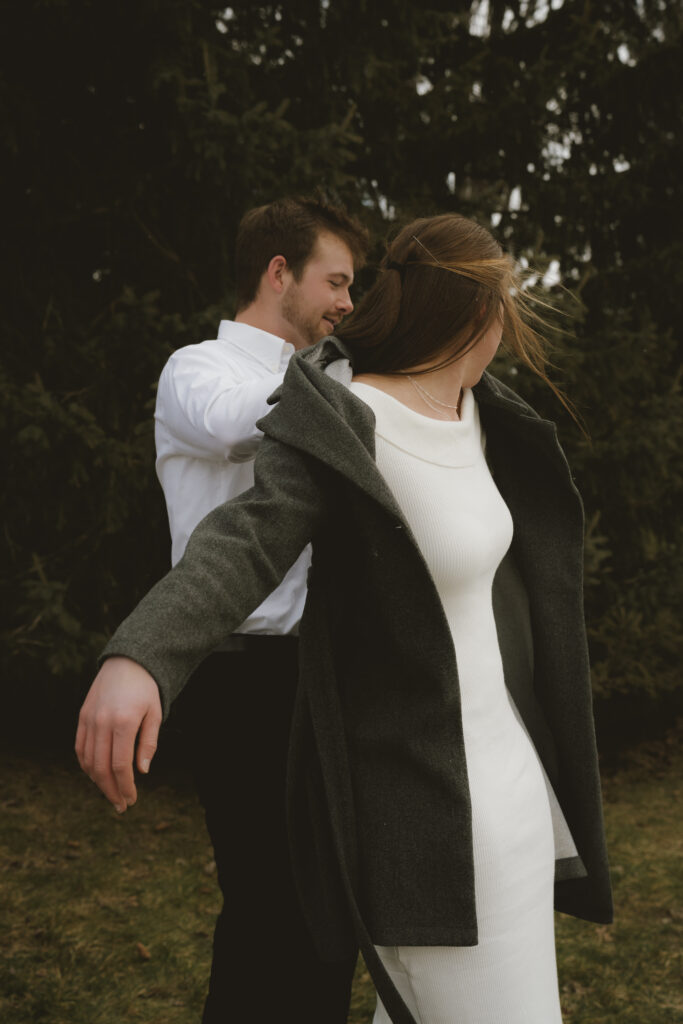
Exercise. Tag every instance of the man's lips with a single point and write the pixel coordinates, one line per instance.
(331, 322)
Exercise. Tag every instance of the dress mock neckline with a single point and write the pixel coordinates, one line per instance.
(455, 443)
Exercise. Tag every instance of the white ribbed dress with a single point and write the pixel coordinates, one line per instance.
(438, 474)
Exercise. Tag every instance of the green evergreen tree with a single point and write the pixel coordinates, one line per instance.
(135, 136)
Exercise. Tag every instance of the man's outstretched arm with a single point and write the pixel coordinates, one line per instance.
(122, 705)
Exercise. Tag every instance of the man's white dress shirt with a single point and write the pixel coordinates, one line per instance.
(209, 398)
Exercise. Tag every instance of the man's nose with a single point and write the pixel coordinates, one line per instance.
(344, 303)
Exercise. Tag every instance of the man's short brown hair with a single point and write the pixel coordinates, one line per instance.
(290, 228)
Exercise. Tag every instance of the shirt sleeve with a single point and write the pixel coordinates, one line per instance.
(236, 556)
(207, 410)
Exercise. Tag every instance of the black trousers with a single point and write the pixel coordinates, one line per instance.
(235, 714)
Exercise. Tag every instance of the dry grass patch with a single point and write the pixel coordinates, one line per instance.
(108, 919)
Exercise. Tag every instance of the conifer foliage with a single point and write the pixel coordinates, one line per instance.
(135, 135)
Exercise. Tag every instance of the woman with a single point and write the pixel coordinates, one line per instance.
(443, 776)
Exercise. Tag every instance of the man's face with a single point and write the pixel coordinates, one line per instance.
(314, 305)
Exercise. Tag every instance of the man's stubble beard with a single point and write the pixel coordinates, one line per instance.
(293, 313)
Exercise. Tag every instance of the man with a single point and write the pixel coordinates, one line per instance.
(295, 262)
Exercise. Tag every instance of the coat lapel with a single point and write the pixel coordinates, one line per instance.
(316, 413)
(503, 409)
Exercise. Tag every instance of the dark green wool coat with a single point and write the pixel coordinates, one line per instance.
(379, 804)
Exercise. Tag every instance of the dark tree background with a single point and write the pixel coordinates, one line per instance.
(135, 134)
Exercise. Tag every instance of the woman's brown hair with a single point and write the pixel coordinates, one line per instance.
(442, 284)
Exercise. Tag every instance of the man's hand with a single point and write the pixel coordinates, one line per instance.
(122, 702)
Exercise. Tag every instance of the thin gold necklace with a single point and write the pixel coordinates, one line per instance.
(428, 398)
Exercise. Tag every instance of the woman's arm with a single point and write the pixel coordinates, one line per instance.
(237, 555)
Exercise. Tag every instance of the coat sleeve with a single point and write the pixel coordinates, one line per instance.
(236, 556)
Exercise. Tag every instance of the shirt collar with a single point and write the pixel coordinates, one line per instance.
(272, 352)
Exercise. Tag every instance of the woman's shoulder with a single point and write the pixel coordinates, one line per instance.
(314, 408)
(493, 390)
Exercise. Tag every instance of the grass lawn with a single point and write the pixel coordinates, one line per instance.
(107, 919)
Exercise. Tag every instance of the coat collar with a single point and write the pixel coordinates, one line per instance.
(315, 412)
(333, 357)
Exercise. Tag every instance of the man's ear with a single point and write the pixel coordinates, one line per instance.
(276, 273)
